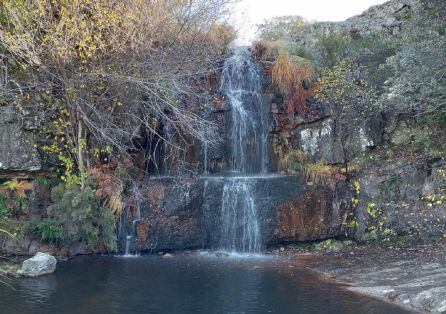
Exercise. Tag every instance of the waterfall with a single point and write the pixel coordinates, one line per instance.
(241, 83)
(231, 216)
(131, 236)
(240, 228)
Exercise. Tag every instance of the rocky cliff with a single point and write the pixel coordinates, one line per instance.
(18, 156)
(397, 158)
(389, 18)
(187, 213)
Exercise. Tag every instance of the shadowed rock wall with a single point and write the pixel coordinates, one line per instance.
(186, 213)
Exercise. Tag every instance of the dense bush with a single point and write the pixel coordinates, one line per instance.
(332, 48)
(370, 51)
(78, 212)
(48, 231)
(14, 204)
(97, 70)
(4, 211)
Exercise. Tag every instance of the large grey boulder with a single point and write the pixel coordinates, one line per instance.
(39, 264)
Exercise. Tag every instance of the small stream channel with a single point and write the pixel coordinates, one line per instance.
(190, 283)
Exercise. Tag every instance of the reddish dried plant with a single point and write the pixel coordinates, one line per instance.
(17, 187)
(109, 184)
(293, 79)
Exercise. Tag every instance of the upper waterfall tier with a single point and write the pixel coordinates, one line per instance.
(241, 82)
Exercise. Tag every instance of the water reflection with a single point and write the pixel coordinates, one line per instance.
(193, 284)
(37, 290)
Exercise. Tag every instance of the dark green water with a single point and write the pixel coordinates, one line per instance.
(183, 284)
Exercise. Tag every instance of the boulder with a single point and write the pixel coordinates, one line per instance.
(39, 264)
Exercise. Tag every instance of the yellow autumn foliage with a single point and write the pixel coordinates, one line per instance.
(86, 28)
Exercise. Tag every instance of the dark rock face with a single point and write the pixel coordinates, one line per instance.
(24, 246)
(388, 18)
(172, 214)
(187, 213)
(409, 197)
(18, 157)
(320, 213)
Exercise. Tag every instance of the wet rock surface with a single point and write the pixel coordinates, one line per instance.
(18, 157)
(182, 214)
(413, 277)
(408, 193)
(26, 246)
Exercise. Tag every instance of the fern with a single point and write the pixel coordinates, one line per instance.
(82, 217)
(17, 187)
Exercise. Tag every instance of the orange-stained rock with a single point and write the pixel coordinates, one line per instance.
(310, 217)
(186, 213)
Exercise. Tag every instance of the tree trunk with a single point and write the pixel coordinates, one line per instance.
(80, 152)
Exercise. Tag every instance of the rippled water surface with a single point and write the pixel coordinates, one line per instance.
(201, 283)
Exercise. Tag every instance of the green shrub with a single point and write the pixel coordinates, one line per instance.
(280, 27)
(8, 225)
(50, 232)
(302, 52)
(15, 197)
(5, 214)
(4, 211)
(82, 218)
(48, 182)
(370, 51)
(333, 48)
(331, 245)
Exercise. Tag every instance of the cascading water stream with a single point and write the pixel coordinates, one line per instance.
(131, 236)
(240, 228)
(228, 200)
(241, 83)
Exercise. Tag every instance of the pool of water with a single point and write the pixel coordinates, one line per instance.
(199, 283)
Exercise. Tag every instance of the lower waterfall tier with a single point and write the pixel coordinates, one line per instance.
(242, 214)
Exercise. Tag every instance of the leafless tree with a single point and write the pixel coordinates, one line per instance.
(114, 70)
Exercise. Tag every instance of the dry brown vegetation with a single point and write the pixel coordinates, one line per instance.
(264, 50)
(293, 79)
(292, 159)
(287, 74)
(16, 187)
(317, 172)
(320, 171)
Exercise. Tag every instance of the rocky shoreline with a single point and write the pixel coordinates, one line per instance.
(413, 276)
